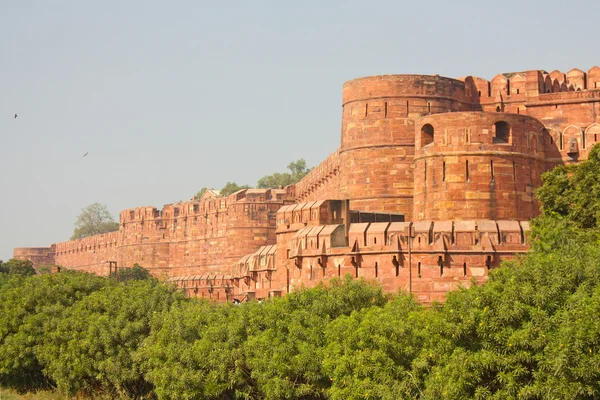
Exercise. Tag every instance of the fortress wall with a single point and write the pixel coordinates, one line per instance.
(466, 214)
(89, 254)
(194, 237)
(567, 104)
(39, 256)
(571, 120)
(322, 182)
(207, 236)
(440, 257)
(377, 142)
(426, 258)
(468, 172)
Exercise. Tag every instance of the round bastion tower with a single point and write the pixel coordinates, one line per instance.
(378, 135)
(477, 165)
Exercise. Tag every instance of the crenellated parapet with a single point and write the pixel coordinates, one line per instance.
(213, 287)
(322, 182)
(427, 258)
(196, 237)
(431, 186)
(90, 254)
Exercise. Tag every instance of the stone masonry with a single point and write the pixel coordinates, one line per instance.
(432, 186)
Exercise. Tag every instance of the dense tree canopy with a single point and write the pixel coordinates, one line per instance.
(231, 187)
(94, 220)
(530, 332)
(574, 191)
(17, 267)
(298, 170)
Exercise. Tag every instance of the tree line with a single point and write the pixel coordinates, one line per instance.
(297, 170)
(530, 332)
(96, 219)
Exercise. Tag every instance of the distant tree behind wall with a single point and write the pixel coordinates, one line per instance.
(94, 220)
(298, 170)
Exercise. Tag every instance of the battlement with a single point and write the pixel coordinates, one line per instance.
(485, 236)
(199, 236)
(533, 83)
(432, 185)
(404, 86)
(322, 182)
(90, 243)
(427, 257)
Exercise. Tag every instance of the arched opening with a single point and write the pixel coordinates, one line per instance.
(502, 132)
(426, 135)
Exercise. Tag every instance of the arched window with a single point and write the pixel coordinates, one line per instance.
(426, 135)
(502, 132)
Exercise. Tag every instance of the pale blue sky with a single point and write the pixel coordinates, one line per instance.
(168, 97)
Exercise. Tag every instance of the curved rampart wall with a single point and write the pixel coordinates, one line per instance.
(478, 166)
(377, 139)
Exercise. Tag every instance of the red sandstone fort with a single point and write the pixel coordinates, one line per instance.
(432, 186)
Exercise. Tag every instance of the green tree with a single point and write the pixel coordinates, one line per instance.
(195, 351)
(30, 308)
(573, 191)
(231, 187)
(298, 170)
(284, 350)
(17, 267)
(136, 273)
(201, 192)
(369, 353)
(91, 349)
(94, 220)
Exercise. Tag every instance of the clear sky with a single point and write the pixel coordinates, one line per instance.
(170, 96)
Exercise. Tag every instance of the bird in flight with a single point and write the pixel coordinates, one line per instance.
(16, 115)
(86, 153)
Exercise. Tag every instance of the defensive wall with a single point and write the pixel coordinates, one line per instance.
(37, 255)
(431, 187)
(427, 258)
(197, 237)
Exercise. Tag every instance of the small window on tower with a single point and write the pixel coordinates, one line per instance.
(426, 135)
(502, 132)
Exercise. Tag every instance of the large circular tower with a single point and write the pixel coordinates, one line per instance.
(477, 165)
(378, 135)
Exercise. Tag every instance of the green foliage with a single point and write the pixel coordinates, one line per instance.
(94, 220)
(195, 351)
(201, 192)
(369, 352)
(574, 192)
(231, 187)
(490, 341)
(91, 348)
(17, 267)
(29, 308)
(530, 332)
(136, 273)
(285, 348)
(298, 170)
